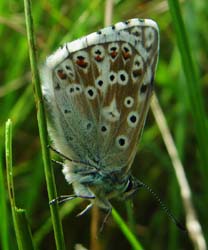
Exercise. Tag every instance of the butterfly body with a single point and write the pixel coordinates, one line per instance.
(97, 91)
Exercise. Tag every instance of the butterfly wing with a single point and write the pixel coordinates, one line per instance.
(97, 92)
(130, 96)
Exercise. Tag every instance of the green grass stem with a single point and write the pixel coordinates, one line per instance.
(126, 231)
(4, 225)
(21, 226)
(50, 181)
(192, 84)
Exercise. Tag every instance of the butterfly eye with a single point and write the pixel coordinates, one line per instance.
(131, 187)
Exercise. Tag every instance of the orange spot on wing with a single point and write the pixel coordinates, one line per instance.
(113, 54)
(82, 63)
(61, 74)
(126, 55)
(98, 58)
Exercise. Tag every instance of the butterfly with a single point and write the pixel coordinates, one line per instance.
(97, 92)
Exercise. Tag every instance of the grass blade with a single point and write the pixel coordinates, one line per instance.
(4, 226)
(22, 229)
(192, 84)
(127, 233)
(58, 232)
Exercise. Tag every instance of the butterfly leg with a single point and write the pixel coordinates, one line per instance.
(63, 198)
(58, 162)
(88, 207)
(108, 212)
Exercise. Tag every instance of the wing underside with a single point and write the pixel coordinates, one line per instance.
(99, 96)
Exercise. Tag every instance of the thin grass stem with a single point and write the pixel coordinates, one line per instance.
(50, 181)
(22, 228)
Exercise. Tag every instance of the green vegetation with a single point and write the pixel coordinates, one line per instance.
(27, 221)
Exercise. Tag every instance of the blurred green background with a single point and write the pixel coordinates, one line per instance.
(56, 22)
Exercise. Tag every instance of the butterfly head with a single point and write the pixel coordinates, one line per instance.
(113, 184)
(132, 186)
(100, 184)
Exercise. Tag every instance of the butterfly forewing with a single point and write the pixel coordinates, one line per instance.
(99, 92)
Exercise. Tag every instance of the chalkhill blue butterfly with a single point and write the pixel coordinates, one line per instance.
(97, 92)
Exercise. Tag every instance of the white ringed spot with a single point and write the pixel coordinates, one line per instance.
(100, 84)
(138, 67)
(113, 50)
(69, 68)
(112, 78)
(90, 92)
(81, 59)
(129, 102)
(132, 119)
(98, 53)
(122, 142)
(74, 89)
(104, 128)
(61, 74)
(122, 77)
(137, 32)
(126, 51)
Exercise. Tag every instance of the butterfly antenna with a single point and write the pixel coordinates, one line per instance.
(163, 206)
